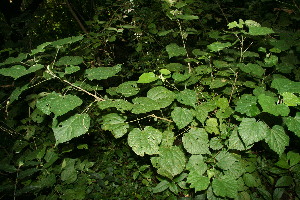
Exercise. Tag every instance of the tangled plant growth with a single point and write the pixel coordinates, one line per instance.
(218, 118)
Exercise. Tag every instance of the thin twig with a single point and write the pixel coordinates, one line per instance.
(154, 116)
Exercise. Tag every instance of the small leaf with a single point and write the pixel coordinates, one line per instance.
(212, 126)
(218, 46)
(71, 69)
(253, 69)
(171, 161)
(119, 104)
(40, 48)
(182, 116)
(293, 157)
(115, 123)
(252, 131)
(277, 139)
(196, 141)
(58, 104)
(174, 50)
(187, 17)
(101, 73)
(64, 41)
(75, 126)
(145, 141)
(147, 78)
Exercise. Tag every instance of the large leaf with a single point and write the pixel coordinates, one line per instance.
(252, 131)
(145, 141)
(187, 97)
(268, 105)
(225, 160)
(196, 141)
(293, 124)
(182, 116)
(290, 99)
(247, 105)
(75, 126)
(198, 182)
(11, 60)
(115, 123)
(69, 60)
(174, 50)
(161, 95)
(235, 142)
(254, 30)
(58, 104)
(225, 187)
(144, 105)
(285, 85)
(196, 164)
(18, 71)
(128, 88)
(101, 73)
(277, 139)
(171, 161)
(119, 104)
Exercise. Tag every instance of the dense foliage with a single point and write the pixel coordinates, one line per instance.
(154, 100)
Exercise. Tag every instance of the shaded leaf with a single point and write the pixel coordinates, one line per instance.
(69, 60)
(225, 187)
(100, 73)
(277, 139)
(182, 116)
(247, 105)
(144, 105)
(161, 95)
(115, 123)
(174, 50)
(196, 141)
(18, 71)
(268, 105)
(128, 88)
(187, 97)
(198, 182)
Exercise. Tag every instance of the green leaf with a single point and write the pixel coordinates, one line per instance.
(174, 50)
(18, 71)
(235, 141)
(161, 95)
(225, 160)
(196, 141)
(58, 104)
(218, 46)
(198, 182)
(277, 139)
(253, 69)
(128, 88)
(254, 30)
(75, 126)
(145, 141)
(187, 97)
(71, 69)
(147, 78)
(100, 73)
(247, 105)
(40, 48)
(171, 161)
(293, 124)
(168, 138)
(212, 126)
(290, 99)
(218, 82)
(196, 164)
(178, 77)
(187, 17)
(252, 131)
(182, 116)
(225, 187)
(10, 60)
(215, 143)
(293, 157)
(144, 105)
(115, 123)
(234, 24)
(69, 60)
(268, 105)
(271, 61)
(69, 173)
(251, 180)
(284, 181)
(69, 40)
(119, 104)
(17, 92)
(162, 186)
(285, 85)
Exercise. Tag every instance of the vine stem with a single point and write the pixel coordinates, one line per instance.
(233, 86)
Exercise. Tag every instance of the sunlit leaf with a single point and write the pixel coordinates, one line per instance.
(101, 73)
(115, 123)
(161, 96)
(182, 116)
(196, 141)
(147, 78)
